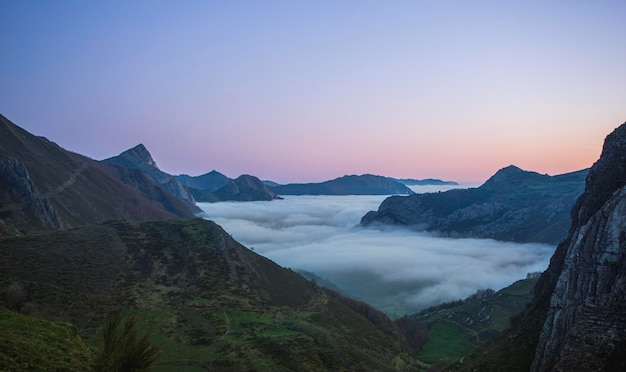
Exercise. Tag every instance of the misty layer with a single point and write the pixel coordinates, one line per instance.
(394, 269)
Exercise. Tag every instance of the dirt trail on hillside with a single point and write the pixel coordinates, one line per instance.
(67, 183)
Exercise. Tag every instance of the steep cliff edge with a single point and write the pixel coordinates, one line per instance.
(585, 327)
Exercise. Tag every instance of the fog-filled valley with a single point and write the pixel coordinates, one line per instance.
(394, 269)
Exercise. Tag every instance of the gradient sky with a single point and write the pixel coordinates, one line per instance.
(299, 91)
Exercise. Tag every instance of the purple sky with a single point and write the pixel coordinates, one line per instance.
(298, 91)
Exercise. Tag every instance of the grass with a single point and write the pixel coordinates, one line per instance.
(457, 331)
(450, 342)
(28, 343)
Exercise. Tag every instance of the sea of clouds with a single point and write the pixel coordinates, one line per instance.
(397, 270)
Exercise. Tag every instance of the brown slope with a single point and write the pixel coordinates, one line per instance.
(76, 187)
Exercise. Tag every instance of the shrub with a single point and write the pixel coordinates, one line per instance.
(122, 348)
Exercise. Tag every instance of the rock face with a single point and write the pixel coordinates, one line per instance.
(15, 180)
(139, 158)
(243, 188)
(513, 205)
(585, 327)
(366, 184)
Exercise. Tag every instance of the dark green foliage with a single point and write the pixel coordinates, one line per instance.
(123, 348)
(211, 303)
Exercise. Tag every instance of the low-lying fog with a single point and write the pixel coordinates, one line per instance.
(394, 269)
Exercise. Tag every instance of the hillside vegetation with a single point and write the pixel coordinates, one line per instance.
(208, 301)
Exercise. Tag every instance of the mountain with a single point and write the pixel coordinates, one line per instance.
(424, 182)
(43, 187)
(513, 205)
(366, 184)
(140, 158)
(210, 302)
(207, 182)
(243, 188)
(577, 321)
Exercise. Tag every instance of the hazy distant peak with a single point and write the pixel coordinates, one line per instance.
(512, 174)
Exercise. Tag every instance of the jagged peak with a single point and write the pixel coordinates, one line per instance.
(139, 155)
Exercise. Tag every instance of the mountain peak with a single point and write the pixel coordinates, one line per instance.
(512, 174)
(140, 155)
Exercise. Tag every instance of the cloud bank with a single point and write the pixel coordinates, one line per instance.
(394, 269)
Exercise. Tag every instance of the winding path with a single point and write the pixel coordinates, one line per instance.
(59, 189)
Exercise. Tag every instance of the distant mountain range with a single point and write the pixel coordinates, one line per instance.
(366, 184)
(424, 182)
(513, 205)
(242, 188)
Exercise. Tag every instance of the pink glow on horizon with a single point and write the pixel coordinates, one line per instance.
(306, 92)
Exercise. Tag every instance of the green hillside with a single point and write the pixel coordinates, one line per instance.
(28, 343)
(445, 334)
(208, 301)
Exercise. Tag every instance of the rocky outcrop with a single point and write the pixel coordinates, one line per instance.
(585, 327)
(366, 184)
(139, 158)
(24, 196)
(513, 205)
(243, 188)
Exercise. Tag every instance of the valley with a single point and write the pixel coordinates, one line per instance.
(223, 291)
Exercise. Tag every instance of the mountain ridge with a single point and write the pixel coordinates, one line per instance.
(366, 184)
(68, 185)
(140, 158)
(512, 205)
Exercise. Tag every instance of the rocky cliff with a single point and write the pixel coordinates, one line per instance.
(585, 327)
(513, 205)
(26, 201)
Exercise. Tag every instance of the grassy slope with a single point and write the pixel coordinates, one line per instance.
(455, 332)
(210, 302)
(28, 343)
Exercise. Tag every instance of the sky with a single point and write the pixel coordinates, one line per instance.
(394, 269)
(305, 91)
